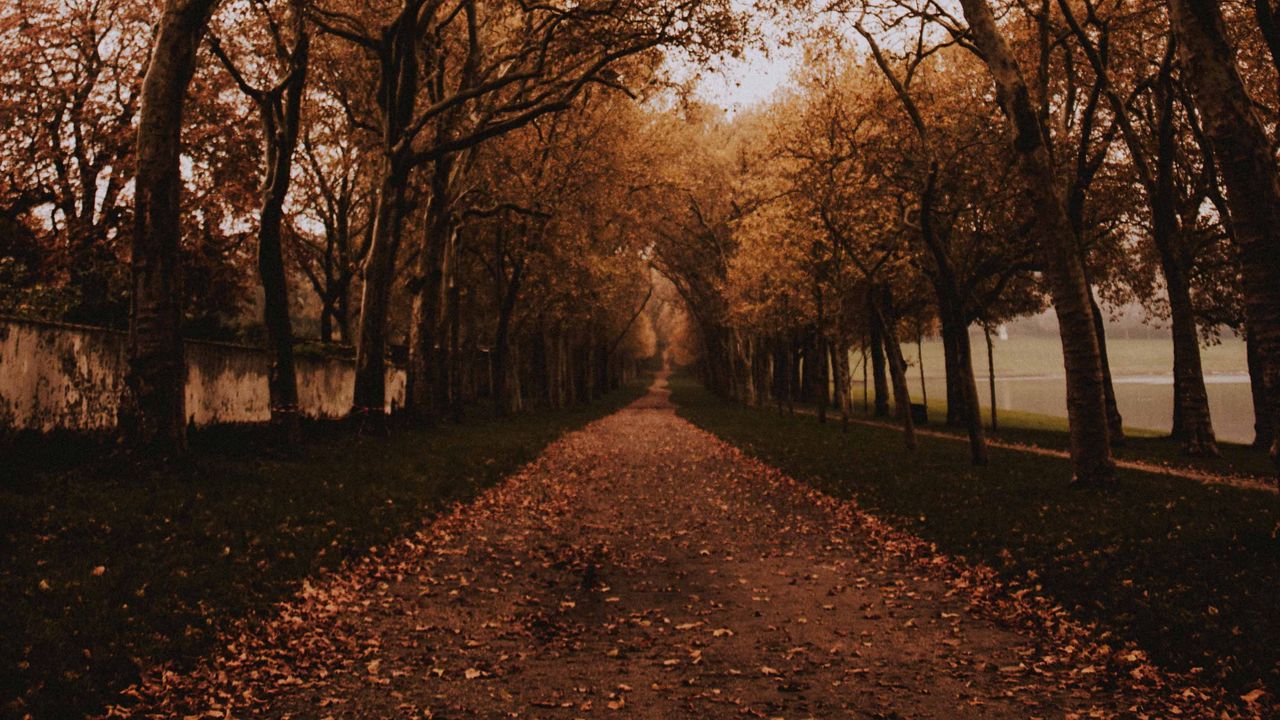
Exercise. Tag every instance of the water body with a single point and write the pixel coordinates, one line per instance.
(1029, 378)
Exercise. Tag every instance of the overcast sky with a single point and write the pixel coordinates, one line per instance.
(738, 84)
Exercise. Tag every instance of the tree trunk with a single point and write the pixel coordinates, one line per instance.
(764, 370)
(326, 322)
(924, 391)
(878, 369)
(884, 316)
(1086, 401)
(1115, 423)
(991, 377)
(821, 384)
(866, 406)
(844, 384)
(795, 391)
(1249, 172)
(1193, 425)
(967, 393)
(379, 275)
(343, 315)
(455, 353)
(780, 374)
(281, 122)
(954, 370)
(398, 85)
(1262, 423)
(425, 371)
(503, 402)
(282, 380)
(501, 371)
(153, 412)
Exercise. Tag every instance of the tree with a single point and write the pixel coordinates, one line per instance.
(489, 70)
(71, 74)
(1249, 172)
(1086, 402)
(1154, 165)
(153, 412)
(336, 195)
(279, 106)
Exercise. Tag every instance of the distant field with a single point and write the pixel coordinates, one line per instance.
(1029, 379)
(1038, 356)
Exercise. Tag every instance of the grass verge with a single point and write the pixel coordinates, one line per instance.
(104, 569)
(1147, 446)
(1188, 571)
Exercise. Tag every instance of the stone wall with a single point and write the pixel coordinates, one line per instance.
(69, 377)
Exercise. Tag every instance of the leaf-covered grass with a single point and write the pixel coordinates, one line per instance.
(1188, 571)
(104, 566)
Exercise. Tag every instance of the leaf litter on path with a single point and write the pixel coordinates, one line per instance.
(642, 568)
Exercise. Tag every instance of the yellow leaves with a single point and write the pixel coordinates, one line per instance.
(473, 673)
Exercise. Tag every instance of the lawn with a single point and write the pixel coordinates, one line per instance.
(1188, 571)
(104, 569)
(1048, 431)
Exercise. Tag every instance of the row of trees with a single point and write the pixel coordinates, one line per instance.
(1126, 153)
(443, 171)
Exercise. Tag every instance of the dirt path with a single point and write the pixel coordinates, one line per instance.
(643, 569)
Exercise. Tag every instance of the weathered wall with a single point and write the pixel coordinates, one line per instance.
(69, 377)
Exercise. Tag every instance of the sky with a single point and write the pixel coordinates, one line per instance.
(740, 83)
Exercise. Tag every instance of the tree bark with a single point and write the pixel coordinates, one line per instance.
(379, 274)
(1086, 402)
(884, 316)
(1193, 425)
(878, 369)
(1115, 423)
(991, 377)
(504, 404)
(1262, 423)
(816, 363)
(781, 373)
(1250, 175)
(844, 383)
(455, 353)
(425, 371)
(953, 368)
(924, 390)
(281, 122)
(398, 86)
(153, 412)
(969, 411)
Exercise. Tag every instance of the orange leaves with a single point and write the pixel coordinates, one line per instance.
(685, 538)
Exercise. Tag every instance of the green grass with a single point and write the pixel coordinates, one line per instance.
(1187, 571)
(235, 529)
(1148, 446)
(1048, 431)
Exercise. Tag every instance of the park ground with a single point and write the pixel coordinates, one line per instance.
(719, 562)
